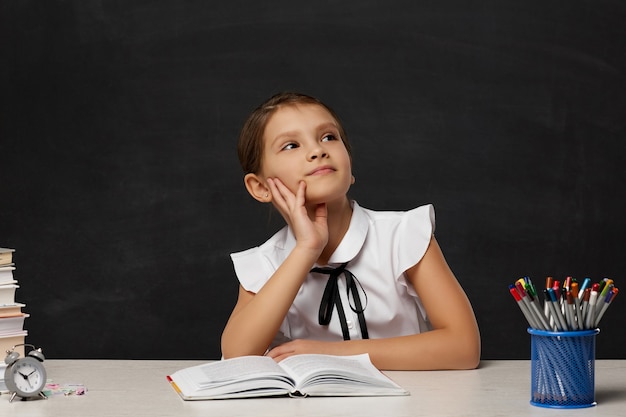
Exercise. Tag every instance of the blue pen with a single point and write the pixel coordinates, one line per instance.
(583, 287)
(556, 310)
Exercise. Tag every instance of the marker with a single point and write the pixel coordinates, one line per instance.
(590, 319)
(568, 283)
(535, 308)
(540, 318)
(521, 305)
(607, 301)
(607, 287)
(549, 281)
(585, 308)
(555, 309)
(569, 308)
(535, 320)
(596, 287)
(583, 287)
(546, 304)
(576, 302)
(556, 287)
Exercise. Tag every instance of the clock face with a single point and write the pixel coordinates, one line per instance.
(26, 377)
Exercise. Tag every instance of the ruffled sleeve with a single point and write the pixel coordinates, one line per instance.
(255, 266)
(412, 239)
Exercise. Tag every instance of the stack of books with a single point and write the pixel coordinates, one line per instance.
(11, 315)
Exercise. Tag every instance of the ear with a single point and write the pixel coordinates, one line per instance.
(257, 188)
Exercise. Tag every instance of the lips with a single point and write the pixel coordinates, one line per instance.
(324, 169)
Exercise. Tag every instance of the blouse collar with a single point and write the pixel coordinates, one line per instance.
(352, 241)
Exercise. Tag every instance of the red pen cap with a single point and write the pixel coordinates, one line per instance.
(586, 294)
(515, 294)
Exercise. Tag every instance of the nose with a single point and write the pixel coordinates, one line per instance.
(317, 152)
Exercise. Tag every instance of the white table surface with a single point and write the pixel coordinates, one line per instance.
(140, 388)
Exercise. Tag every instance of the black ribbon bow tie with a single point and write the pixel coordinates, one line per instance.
(331, 298)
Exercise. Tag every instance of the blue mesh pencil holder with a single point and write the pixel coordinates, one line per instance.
(563, 368)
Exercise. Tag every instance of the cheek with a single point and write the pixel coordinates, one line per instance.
(285, 176)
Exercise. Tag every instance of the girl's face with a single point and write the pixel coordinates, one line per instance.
(302, 143)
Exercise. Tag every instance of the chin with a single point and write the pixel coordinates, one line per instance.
(315, 198)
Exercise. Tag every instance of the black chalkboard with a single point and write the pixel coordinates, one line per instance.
(121, 191)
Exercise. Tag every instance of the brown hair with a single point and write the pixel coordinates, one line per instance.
(250, 145)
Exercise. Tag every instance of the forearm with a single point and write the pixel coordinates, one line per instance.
(456, 347)
(434, 350)
(253, 324)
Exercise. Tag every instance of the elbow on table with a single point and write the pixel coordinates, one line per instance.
(235, 350)
(229, 352)
(470, 360)
(469, 353)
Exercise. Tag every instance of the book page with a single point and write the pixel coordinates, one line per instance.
(338, 375)
(227, 371)
(248, 376)
(305, 365)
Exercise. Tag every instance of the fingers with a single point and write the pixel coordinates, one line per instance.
(321, 213)
(285, 200)
(281, 352)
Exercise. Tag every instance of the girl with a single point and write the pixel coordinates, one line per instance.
(339, 279)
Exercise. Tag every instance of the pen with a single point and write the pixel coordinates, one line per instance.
(549, 281)
(556, 288)
(596, 288)
(607, 287)
(591, 309)
(522, 306)
(585, 306)
(567, 284)
(576, 302)
(607, 301)
(541, 318)
(567, 305)
(520, 289)
(569, 308)
(583, 287)
(546, 306)
(556, 310)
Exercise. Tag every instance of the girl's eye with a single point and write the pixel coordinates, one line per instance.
(290, 146)
(328, 138)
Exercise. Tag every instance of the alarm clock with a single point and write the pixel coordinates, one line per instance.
(25, 377)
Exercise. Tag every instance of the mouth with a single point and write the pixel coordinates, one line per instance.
(321, 170)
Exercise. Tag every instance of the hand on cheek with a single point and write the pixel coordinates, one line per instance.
(310, 233)
(281, 193)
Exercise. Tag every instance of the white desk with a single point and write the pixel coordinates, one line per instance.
(139, 388)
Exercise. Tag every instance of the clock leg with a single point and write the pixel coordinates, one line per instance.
(12, 397)
(42, 395)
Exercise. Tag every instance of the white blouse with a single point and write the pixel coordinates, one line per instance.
(379, 247)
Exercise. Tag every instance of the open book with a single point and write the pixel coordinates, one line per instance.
(299, 375)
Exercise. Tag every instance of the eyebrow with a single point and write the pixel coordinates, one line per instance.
(292, 133)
